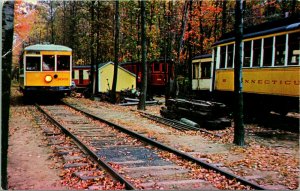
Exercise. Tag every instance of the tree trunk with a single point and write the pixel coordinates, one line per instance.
(142, 105)
(5, 63)
(190, 49)
(183, 24)
(64, 18)
(97, 47)
(294, 7)
(117, 30)
(52, 22)
(224, 17)
(201, 30)
(92, 11)
(175, 91)
(167, 50)
(216, 21)
(239, 131)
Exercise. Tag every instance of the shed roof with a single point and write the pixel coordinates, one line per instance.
(48, 47)
(101, 65)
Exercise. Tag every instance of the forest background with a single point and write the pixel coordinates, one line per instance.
(175, 29)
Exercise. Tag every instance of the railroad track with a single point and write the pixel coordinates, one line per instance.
(175, 124)
(137, 161)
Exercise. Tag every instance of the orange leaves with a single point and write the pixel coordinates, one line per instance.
(24, 19)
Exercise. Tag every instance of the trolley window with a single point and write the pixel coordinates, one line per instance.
(21, 66)
(206, 70)
(230, 56)
(215, 53)
(63, 63)
(280, 50)
(256, 53)
(80, 76)
(48, 62)
(268, 49)
(223, 57)
(156, 67)
(247, 54)
(33, 63)
(196, 70)
(294, 49)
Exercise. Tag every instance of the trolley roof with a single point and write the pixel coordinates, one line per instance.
(262, 30)
(199, 56)
(47, 47)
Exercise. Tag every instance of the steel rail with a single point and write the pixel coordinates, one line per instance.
(94, 156)
(172, 150)
(176, 126)
(166, 121)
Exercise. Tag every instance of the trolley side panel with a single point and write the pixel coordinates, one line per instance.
(272, 81)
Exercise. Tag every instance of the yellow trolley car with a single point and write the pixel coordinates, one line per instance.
(271, 60)
(46, 69)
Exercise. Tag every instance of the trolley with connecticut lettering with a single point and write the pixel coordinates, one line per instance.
(270, 68)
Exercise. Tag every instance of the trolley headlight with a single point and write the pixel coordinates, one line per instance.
(48, 78)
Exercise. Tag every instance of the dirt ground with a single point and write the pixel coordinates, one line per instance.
(31, 165)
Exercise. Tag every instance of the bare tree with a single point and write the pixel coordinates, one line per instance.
(117, 30)
(190, 47)
(239, 131)
(92, 34)
(142, 102)
(224, 16)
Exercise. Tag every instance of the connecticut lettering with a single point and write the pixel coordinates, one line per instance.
(272, 82)
(267, 82)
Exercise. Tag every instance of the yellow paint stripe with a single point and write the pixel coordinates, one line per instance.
(55, 52)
